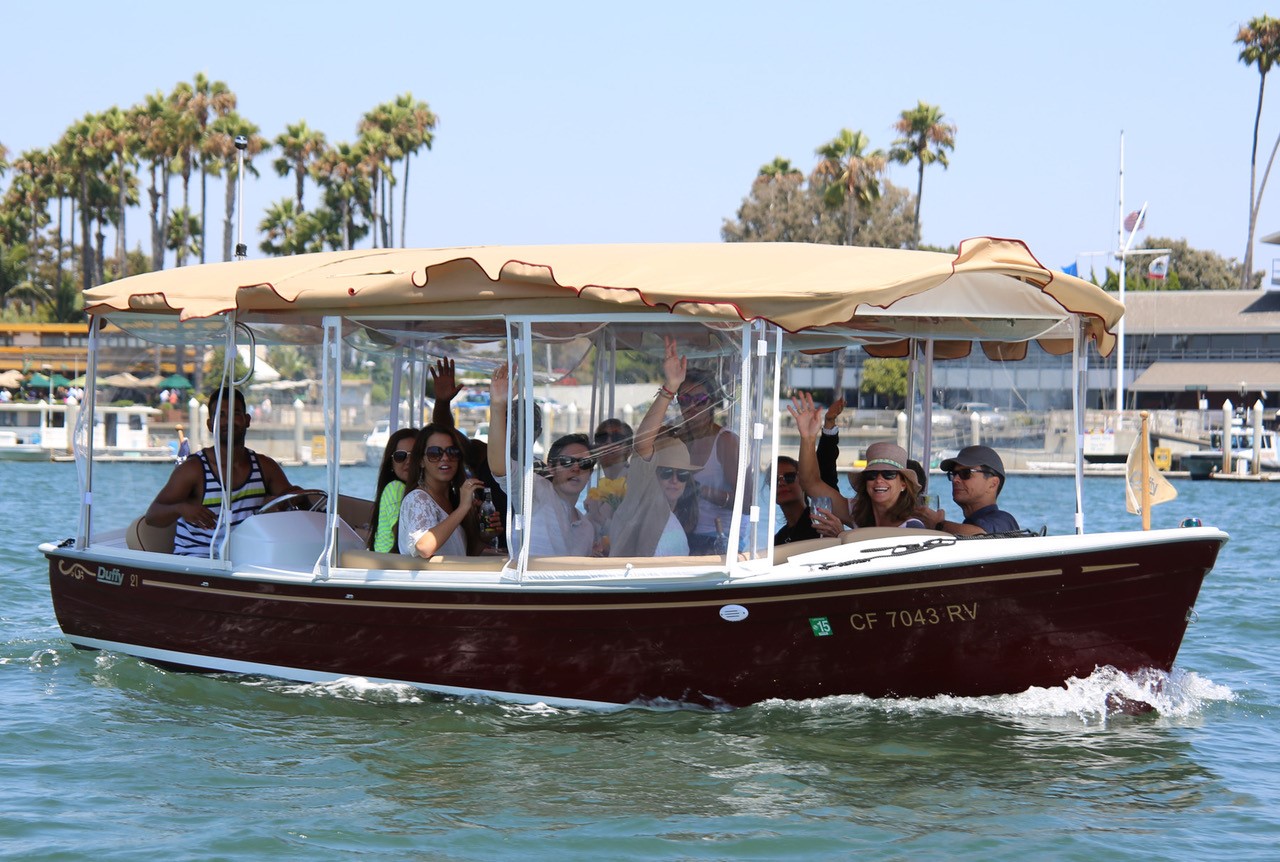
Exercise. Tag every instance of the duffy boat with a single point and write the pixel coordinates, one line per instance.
(877, 612)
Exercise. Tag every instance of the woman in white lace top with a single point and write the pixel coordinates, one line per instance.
(438, 516)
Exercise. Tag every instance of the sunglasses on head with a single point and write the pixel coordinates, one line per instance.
(665, 473)
(887, 475)
(692, 399)
(435, 453)
(400, 456)
(966, 473)
(788, 478)
(586, 465)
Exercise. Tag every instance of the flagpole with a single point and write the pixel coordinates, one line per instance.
(1146, 473)
(1120, 328)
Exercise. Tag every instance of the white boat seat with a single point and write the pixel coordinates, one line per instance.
(357, 512)
(361, 558)
(863, 533)
(141, 536)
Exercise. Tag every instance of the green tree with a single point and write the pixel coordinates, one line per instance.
(1260, 47)
(299, 147)
(886, 377)
(925, 139)
(849, 176)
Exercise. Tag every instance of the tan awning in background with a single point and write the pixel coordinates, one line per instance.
(1214, 376)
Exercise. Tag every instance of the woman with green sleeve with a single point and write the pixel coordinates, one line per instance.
(393, 483)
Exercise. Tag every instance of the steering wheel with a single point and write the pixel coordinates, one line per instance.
(286, 500)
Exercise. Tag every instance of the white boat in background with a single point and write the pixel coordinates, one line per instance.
(376, 441)
(37, 431)
(1203, 463)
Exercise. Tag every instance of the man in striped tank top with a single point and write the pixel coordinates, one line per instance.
(193, 495)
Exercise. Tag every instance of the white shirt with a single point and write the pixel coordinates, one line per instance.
(419, 512)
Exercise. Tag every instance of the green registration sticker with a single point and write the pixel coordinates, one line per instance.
(821, 626)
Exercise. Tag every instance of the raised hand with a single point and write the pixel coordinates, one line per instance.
(674, 366)
(808, 418)
(833, 413)
(498, 385)
(444, 380)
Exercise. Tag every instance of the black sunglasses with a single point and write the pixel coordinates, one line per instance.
(692, 399)
(400, 456)
(665, 473)
(567, 461)
(887, 475)
(435, 453)
(966, 473)
(788, 478)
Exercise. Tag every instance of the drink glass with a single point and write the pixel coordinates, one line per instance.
(818, 503)
(930, 501)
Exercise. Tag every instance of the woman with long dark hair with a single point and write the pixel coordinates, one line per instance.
(393, 484)
(438, 515)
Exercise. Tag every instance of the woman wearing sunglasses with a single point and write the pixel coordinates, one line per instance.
(438, 516)
(393, 483)
(795, 508)
(559, 527)
(886, 491)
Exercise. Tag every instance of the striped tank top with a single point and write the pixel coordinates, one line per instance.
(192, 541)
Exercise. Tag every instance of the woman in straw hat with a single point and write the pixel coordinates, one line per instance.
(886, 491)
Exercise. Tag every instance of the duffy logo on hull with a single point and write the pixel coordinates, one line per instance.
(110, 576)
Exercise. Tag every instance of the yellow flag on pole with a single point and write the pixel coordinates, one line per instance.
(1159, 489)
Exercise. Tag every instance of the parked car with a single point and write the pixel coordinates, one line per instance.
(990, 416)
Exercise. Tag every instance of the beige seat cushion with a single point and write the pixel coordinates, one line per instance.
(141, 536)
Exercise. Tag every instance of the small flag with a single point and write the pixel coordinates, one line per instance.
(1072, 269)
(1132, 221)
(1159, 490)
(1159, 267)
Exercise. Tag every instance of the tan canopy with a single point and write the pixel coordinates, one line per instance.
(993, 290)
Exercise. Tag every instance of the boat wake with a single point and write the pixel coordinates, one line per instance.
(1096, 699)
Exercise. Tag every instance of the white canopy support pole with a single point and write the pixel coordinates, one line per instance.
(522, 345)
(927, 399)
(331, 384)
(745, 439)
(778, 409)
(913, 374)
(86, 421)
(1079, 386)
(397, 371)
(220, 545)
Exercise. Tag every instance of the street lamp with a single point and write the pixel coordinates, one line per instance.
(48, 373)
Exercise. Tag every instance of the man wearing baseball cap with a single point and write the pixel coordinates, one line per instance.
(977, 478)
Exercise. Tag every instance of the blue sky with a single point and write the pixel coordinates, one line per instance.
(586, 122)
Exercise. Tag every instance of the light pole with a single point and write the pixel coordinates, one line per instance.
(48, 374)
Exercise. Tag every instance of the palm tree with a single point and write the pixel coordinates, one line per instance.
(299, 147)
(206, 97)
(220, 143)
(1260, 47)
(925, 139)
(153, 120)
(849, 175)
(185, 131)
(413, 130)
(115, 135)
(340, 171)
(4, 159)
(380, 153)
(282, 229)
(777, 169)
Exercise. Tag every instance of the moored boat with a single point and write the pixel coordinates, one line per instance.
(875, 611)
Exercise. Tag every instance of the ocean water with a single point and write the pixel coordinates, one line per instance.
(104, 757)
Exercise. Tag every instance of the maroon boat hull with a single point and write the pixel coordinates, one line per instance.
(994, 628)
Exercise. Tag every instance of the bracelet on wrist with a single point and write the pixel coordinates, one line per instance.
(662, 390)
